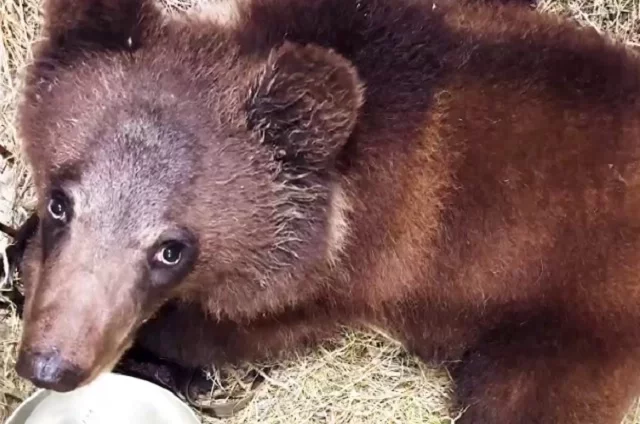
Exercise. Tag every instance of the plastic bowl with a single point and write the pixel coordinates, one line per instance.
(111, 398)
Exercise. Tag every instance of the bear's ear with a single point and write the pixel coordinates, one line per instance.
(113, 24)
(305, 103)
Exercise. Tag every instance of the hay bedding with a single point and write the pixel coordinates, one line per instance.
(361, 379)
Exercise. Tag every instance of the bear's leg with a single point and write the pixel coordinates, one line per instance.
(175, 347)
(141, 363)
(184, 334)
(155, 356)
(533, 381)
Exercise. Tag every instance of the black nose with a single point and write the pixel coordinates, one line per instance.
(49, 371)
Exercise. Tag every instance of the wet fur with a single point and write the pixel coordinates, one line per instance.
(486, 196)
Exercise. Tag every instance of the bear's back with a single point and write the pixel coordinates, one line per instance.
(491, 163)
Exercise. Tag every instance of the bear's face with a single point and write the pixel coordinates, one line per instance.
(167, 164)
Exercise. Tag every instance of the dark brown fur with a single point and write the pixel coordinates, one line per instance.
(463, 177)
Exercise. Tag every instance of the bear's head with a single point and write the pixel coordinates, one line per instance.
(171, 162)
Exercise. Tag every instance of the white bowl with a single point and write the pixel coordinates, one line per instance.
(110, 399)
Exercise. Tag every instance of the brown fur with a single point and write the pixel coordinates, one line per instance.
(462, 177)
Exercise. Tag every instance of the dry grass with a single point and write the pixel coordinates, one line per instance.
(363, 379)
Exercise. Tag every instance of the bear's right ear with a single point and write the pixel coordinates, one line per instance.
(111, 24)
(305, 104)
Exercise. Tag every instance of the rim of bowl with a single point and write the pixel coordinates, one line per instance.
(29, 401)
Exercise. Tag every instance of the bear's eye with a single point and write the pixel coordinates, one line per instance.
(58, 207)
(170, 254)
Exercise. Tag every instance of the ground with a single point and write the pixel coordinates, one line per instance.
(363, 378)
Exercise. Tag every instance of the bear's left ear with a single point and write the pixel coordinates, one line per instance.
(305, 103)
(114, 24)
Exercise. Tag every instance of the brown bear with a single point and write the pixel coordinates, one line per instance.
(231, 186)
